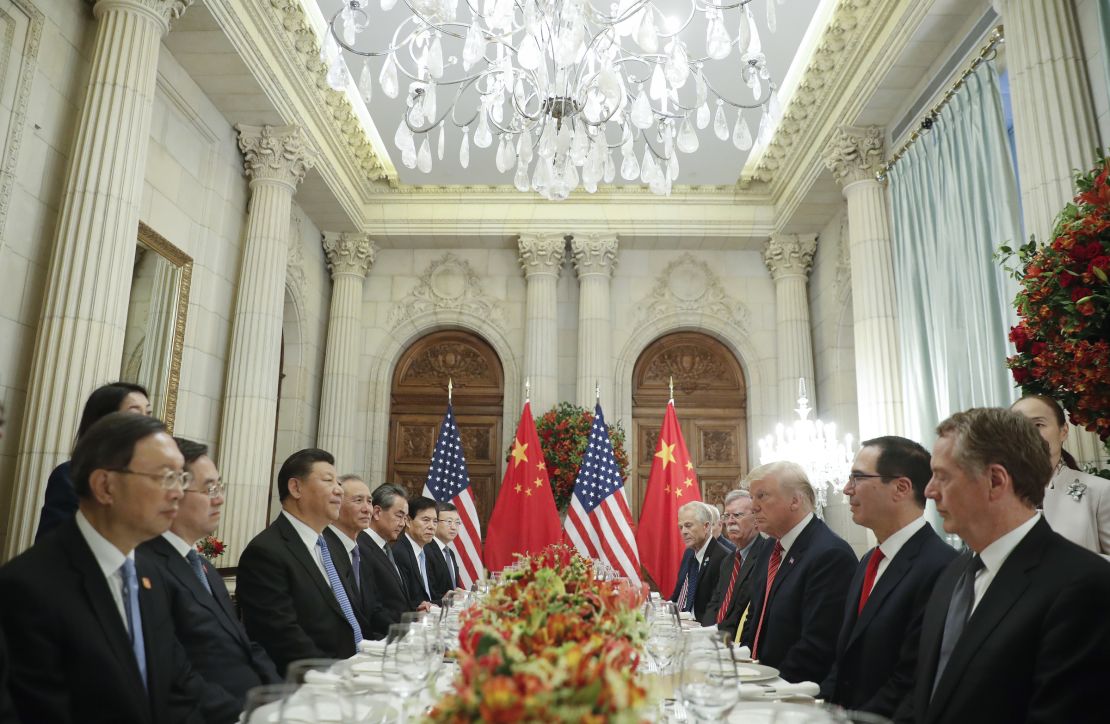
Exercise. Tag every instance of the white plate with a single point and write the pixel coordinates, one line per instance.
(750, 673)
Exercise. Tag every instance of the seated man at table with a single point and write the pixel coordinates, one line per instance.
(876, 653)
(447, 530)
(387, 524)
(342, 537)
(798, 598)
(701, 562)
(292, 598)
(421, 576)
(734, 583)
(85, 623)
(204, 618)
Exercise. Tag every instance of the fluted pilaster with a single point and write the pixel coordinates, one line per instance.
(595, 255)
(80, 339)
(541, 258)
(276, 159)
(789, 258)
(350, 256)
(854, 155)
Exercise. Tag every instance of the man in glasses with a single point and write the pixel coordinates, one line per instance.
(448, 525)
(204, 618)
(876, 652)
(734, 585)
(88, 621)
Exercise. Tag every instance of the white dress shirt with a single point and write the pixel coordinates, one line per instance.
(348, 544)
(110, 559)
(308, 536)
(894, 543)
(417, 551)
(700, 555)
(179, 544)
(792, 535)
(995, 555)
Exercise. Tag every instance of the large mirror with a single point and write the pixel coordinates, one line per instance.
(156, 312)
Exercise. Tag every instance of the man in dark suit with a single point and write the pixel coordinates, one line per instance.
(718, 532)
(798, 598)
(342, 537)
(421, 576)
(440, 555)
(292, 598)
(734, 583)
(701, 562)
(387, 524)
(1016, 628)
(85, 622)
(876, 653)
(204, 618)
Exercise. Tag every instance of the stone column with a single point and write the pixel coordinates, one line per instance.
(350, 256)
(854, 155)
(595, 255)
(541, 257)
(789, 258)
(276, 159)
(80, 339)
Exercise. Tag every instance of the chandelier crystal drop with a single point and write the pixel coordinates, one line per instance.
(561, 84)
(813, 445)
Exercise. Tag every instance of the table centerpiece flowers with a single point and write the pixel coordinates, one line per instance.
(549, 643)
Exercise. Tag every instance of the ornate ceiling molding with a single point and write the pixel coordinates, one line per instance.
(448, 283)
(689, 284)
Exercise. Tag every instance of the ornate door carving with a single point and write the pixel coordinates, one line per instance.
(711, 402)
(419, 397)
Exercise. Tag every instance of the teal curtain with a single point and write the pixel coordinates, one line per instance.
(954, 201)
(1104, 27)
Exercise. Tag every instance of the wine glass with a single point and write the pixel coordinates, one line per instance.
(264, 703)
(709, 681)
(408, 664)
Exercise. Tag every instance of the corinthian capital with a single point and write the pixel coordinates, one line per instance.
(275, 153)
(594, 253)
(789, 254)
(542, 253)
(161, 11)
(854, 154)
(348, 252)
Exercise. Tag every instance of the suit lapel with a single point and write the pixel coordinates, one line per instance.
(384, 562)
(791, 557)
(296, 547)
(895, 571)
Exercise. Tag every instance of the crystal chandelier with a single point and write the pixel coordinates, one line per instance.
(561, 85)
(813, 445)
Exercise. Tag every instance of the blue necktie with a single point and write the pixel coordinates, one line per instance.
(355, 558)
(424, 572)
(691, 585)
(337, 588)
(130, 591)
(198, 568)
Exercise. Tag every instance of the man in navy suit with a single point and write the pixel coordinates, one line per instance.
(798, 599)
(292, 597)
(701, 562)
(876, 653)
(86, 623)
(387, 524)
(1016, 628)
(421, 575)
(204, 618)
(342, 537)
(734, 584)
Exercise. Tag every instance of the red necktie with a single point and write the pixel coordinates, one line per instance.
(731, 585)
(869, 578)
(772, 569)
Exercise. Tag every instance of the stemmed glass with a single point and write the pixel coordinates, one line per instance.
(709, 680)
(409, 661)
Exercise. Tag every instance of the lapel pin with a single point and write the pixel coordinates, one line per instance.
(146, 583)
(791, 561)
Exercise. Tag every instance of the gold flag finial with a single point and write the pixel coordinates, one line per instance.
(450, 389)
(597, 392)
(527, 390)
(670, 384)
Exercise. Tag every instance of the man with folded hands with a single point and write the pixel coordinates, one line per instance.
(876, 652)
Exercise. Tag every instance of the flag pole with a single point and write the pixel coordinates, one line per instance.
(671, 386)
(527, 390)
(597, 392)
(450, 389)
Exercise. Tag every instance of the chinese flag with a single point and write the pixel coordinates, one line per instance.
(524, 519)
(672, 484)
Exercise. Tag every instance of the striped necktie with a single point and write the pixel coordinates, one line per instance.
(337, 588)
(198, 568)
(723, 611)
(772, 570)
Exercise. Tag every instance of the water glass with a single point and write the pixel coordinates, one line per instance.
(709, 681)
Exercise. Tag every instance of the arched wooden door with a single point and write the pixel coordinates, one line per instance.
(711, 402)
(418, 400)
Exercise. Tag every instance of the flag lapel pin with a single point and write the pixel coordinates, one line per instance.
(146, 583)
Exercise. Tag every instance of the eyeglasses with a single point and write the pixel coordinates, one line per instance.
(168, 480)
(212, 490)
(734, 516)
(856, 478)
(453, 522)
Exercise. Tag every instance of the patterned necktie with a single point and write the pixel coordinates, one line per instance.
(337, 588)
(689, 586)
(959, 610)
(723, 611)
(772, 570)
(130, 590)
(423, 562)
(356, 558)
(869, 578)
(198, 568)
(450, 555)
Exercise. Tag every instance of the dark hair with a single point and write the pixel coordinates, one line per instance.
(384, 496)
(900, 457)
(418, 503)
(446, 508)
(109, 444)
(299, 465)
(105, 400)
(995, 436)
(1058, 413)
(190, 450)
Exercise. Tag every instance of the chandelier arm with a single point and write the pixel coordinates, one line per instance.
(771, 88)
(364, 53)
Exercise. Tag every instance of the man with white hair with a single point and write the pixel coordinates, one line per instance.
(718, 530)
(738, 571)
(701, 563)
(798, 598)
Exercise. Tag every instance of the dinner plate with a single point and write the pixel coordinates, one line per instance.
(751, 673)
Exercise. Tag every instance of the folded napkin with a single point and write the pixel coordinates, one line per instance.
(743, 652)
(686, 615)
(322, 678)
(779, 690)
(373, 648)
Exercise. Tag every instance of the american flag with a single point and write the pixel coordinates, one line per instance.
(448, 482)
(598, 523)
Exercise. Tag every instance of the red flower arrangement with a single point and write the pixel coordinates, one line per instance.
(1063, 338)
(564, 433)
(210, 547)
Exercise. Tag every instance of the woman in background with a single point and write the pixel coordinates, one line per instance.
(61, 499)
(1076, 504)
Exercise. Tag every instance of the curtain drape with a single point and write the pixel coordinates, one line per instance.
(954, 201)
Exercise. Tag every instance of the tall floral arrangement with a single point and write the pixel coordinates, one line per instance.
(1063, 338)
(564, 432)
(549, 643)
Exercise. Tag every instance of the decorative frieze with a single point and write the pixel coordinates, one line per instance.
(448, 283)
(689, 284)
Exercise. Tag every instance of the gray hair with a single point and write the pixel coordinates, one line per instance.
(734, 495)
(791, 478)
(700, 510)
(713, 512)
(348, 477)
